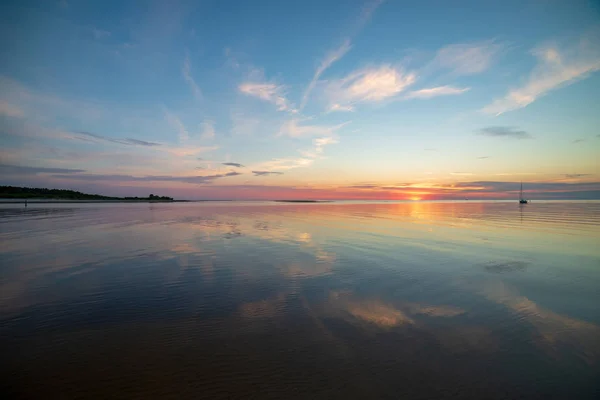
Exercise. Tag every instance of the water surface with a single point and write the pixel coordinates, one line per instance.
(274, 300)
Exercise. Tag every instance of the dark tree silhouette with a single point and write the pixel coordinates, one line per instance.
(14, 192)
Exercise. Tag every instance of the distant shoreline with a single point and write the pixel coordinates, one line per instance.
(18, 194)
(51, 201)
(60, 201)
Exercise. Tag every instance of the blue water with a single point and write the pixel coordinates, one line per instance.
(478, 300)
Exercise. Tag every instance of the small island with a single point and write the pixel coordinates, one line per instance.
(303, 201)
(48, 195)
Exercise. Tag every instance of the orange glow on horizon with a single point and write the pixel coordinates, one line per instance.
(339, 193)
(307, 191)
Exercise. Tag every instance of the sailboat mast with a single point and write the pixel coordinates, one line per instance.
(521, 194)
(522, 200)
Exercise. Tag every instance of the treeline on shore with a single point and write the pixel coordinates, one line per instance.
(15, 192)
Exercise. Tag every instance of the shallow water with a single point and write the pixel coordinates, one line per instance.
(475, 300)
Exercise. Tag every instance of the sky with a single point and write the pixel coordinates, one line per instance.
(336, 99)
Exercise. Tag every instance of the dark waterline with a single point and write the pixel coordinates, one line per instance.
(479, 300)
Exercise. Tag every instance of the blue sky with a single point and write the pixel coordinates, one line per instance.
(335, 99)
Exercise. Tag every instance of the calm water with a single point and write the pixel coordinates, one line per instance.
(311, 301)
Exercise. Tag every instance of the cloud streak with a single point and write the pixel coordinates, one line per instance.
(178, 125)
(504, 131)
(294, 128)
(435, 92)
(10, 110)
(17, 169)
(468, 58)
(336, 54)
(99, 33)
(327, 62)
(307, 159)
(575, 176)
(232, 164)
(556, 68)
(269, 92)
(208, 130)
(150, 178)
(186, 71)
(338, 107)
(367, 13)
(369, 85)
(265, 173)
(94, 137)
(461, 173)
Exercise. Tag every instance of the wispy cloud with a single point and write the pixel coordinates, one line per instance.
(329, 59)
(515, 173)
(468, 58)
(230, 59)
(285, 163)
(207, 130)
(436, 91)
(320, 143)
(34, 154)
(293, 128)
(18, 169)
(21, 101)
(10, 110)
(233, 164)
(338, 107)
(573, 176)
(106, 152)
(99, 33)
(367, 12)
(336, 54)
(504, 131)
(270, 92)
(186, 71)
(319, 146)
(178, 125)
(265, 173)
(369, 85)
(149, 178)
(461, 173)
(185, 151)
(556, 68)
(369, 186)
(245, 124)
(88, 136)
(483, 157)
(153, 150)
(578, 141)
(140, 142)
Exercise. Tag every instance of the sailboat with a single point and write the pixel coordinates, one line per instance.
(521, 199)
